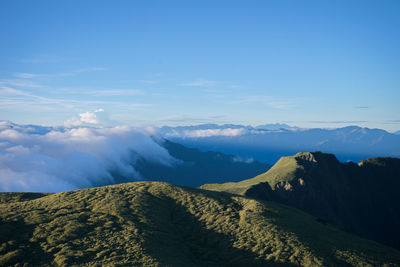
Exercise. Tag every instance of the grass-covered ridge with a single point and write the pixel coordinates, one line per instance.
(360, 198)
(285, 170)
(159, 224)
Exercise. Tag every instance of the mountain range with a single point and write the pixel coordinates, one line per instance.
(268, 143)
(195, 168)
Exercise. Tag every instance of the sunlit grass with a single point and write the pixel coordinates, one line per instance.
(158, 224)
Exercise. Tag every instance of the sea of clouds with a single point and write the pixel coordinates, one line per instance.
(54, 159)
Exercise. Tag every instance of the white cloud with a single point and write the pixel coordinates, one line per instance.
(244, 160)
(67, 159)
(72, 122)
(215, 132)
(88, 117)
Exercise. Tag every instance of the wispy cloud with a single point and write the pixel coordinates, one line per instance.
(265, 100)
(27, 98)
(41, 59)
(217, 91)
(362, 107)
(148, 81)
(132, 92)
(209, 84)
(19, 83)
(200, 83)
(23, 75)
(392, 121)
(90, 69)
(15, 99)
(100, 92)
(4, 90)
(186, 119)
(334, 122)
(181, 119)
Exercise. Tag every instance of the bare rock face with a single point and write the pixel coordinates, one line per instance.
(308, 156)
(284, 186)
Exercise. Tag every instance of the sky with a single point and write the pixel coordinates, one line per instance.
(304, 63)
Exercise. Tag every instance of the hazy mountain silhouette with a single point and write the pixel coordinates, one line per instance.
(350, 143)
(196, 168)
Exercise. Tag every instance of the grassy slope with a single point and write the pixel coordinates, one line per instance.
(19, 197)
(151, 224)
(360, 198)
(285, 169)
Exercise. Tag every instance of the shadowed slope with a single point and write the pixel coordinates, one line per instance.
(196, 168)
(158, 224)
(361, 198)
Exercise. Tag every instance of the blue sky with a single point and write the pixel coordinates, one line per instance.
(306, 63)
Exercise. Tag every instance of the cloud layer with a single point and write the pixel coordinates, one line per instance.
(215, 132)
(46, 159)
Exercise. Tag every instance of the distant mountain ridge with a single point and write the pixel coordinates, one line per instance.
(196, 168)
(361, 198)
(180, 129)
(268, 144)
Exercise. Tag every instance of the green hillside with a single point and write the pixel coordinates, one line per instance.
(158, 224)
(360, 198)
(286, 170)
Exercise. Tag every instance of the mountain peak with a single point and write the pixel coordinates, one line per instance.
(316, 156)
(308, 156)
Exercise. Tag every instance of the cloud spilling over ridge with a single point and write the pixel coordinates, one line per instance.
(57, 159)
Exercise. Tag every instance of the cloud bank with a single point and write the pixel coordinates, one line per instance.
(47, 159)
(215, 132)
